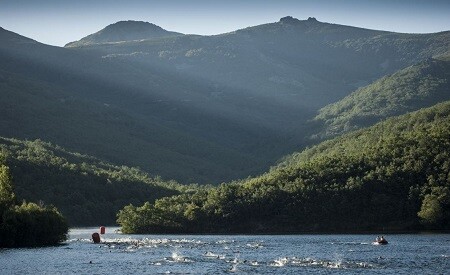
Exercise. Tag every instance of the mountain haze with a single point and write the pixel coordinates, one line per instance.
(295, 63)
(130, 114)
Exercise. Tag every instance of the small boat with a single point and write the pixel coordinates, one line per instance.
(380, 242)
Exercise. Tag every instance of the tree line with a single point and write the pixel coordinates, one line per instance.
(86, 190)
(393, 176)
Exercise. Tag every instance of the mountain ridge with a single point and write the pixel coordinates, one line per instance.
(294, 62)
(7, 36)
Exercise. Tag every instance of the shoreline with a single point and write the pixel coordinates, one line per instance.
(364, 232)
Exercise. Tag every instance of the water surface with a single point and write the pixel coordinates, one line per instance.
(215, 254)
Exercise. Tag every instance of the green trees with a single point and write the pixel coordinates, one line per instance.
(410, 89)
(435, 209)
(392, 176)
(27, 224)
(147, 218)
(7, 196)
(86, 190)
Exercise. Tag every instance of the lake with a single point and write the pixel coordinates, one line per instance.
(213, 254)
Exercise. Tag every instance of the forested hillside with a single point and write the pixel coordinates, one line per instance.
(410, 89)
(204, 109)
(211, 109)
(393, 176)
(86, 190)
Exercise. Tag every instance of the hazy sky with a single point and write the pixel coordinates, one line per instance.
(58, 22)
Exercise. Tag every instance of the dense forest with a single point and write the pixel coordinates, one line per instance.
(26, 224)
(393, 176)
(418, 86)
(86, 190)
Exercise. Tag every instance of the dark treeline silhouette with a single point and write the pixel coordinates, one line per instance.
(26, 224)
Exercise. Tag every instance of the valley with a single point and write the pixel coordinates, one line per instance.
(242, 132)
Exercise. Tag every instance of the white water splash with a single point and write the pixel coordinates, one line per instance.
(279, 262)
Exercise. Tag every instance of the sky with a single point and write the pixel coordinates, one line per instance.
(57, 22)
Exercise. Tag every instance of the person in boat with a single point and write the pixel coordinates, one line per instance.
(382, 240)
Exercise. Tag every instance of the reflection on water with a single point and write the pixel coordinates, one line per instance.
(206, 254)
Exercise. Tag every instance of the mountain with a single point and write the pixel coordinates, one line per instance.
(415, 87)
(211, 109)
(391, 177)
(86, 190)
(293, 63)
(204, 109)
(124, 31)
(129, 114)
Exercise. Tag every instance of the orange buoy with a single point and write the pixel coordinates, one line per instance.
(102, 230)
(96, 237)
